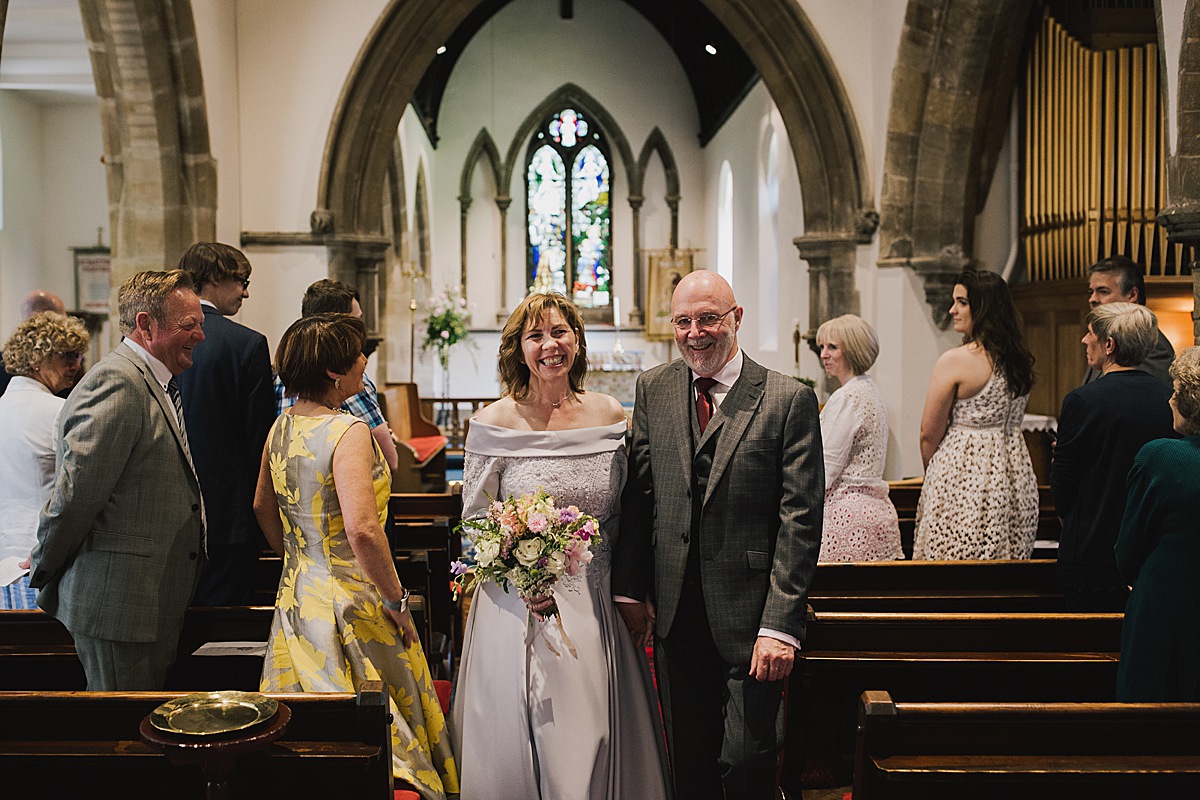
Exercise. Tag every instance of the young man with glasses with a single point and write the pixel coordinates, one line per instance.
(229, 405)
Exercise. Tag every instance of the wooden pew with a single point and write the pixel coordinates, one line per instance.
(86, 744)
(422, 447)
(939, 657)
(1026, 750)
(880, 586)
(422, 528)
(38, 653)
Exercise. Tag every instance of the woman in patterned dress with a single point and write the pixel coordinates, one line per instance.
(979, 500)
(341, 615)
(860, 520)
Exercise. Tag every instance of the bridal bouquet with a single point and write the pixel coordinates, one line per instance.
(529, 543)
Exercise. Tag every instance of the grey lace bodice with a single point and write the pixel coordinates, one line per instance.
(584, 467)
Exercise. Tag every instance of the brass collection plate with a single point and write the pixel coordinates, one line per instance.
(209, 713)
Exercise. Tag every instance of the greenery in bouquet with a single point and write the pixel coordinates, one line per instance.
(445, 323)
(529, 543)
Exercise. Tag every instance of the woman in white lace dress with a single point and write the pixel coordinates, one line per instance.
(527, 722)
(860, 520)
(980, 496)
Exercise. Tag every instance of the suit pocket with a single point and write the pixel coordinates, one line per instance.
(758, 560)
(108, 542)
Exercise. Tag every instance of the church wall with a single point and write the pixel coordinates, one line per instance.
(53, 194)
(20, 245)
(508, 69)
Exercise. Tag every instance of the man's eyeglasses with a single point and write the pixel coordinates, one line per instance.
(704, 321)
(245, 282)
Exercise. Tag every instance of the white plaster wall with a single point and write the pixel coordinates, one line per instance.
(75, 196)
(1172, 15)
(54, 197)
(217, 41)
(20, 245)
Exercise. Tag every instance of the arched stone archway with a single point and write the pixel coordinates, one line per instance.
(775, 34)
(162, 180)
(951, 95)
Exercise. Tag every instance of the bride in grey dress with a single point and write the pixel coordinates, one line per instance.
(528, 723)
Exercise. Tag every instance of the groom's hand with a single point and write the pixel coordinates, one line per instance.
(639, 618)
(772, 659)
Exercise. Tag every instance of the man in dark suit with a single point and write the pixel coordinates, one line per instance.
(229, 403)
(720, 530)
(119, 541)
(1118, 279)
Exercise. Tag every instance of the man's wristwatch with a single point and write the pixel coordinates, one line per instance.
(399, 606)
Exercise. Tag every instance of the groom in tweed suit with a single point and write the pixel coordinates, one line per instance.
(119, 541)
(720, 530)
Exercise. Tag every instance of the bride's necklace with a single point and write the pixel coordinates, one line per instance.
(548, 400)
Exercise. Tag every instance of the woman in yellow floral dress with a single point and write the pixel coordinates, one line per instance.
(341, 615)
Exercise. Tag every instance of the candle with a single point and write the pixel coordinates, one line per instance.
(617, 311)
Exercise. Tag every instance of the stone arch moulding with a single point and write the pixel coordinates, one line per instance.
(656, 142)
(483, 148)
(775, 34)
(951, 97)
(826, 144)
(571, 95)
(161, 176)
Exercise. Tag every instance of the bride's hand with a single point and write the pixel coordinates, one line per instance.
(538, 605)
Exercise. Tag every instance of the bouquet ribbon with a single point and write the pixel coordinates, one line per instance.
(541, 631)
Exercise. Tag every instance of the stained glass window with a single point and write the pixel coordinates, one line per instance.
(569, 220)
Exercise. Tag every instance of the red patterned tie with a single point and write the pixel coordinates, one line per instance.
(704, 403)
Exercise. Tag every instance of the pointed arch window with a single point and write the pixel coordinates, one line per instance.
(569, 211)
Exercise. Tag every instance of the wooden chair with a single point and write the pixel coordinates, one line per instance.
(422, 447)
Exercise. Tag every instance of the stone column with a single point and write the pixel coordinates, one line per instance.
(503, 201)
(357, 260)
(831, 290)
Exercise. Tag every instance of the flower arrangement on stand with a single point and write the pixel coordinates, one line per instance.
(445, 326)
(529, 543)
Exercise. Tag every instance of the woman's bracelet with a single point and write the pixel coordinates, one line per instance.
(399, 606)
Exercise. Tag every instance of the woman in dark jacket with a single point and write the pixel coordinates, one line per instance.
(1101, 427)
(1158, 552)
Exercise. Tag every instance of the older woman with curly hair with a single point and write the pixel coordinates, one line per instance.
(1158, 552)
(44, 356)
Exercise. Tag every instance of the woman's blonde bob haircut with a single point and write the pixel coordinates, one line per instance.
(1132, 328)
(858, 341)
(514, 372)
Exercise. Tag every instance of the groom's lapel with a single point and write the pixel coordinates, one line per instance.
(734, 417)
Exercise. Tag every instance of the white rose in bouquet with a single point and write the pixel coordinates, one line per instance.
(529, 551)
(486, 551)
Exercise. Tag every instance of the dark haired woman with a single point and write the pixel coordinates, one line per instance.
(980, 496)
(341, 615)
(527, 722)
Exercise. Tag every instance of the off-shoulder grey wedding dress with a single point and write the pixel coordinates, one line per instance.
(527, 723)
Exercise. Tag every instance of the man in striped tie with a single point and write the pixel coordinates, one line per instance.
(120, 540)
